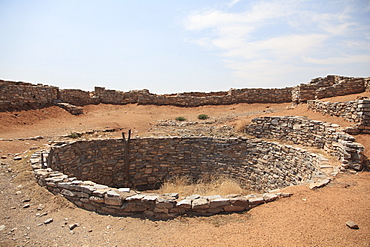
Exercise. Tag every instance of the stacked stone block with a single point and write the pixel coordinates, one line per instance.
(77, 97)
(329, 86)
(307, 132)
(357, 111)
(257, 164)
(125, 202)
(20, 95)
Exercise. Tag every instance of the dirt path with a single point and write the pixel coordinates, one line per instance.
(309, 218)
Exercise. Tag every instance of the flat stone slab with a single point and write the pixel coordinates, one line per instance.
(319, 184)
(352, 225)
(200, 203)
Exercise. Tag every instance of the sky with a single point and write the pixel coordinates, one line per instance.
(170, 46)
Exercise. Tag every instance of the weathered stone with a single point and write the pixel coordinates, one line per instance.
(67, 193)
(352, 225)
(73, 226)
(96, 199)
(133, 207)
(240, 201)
(232, 208)
(269, 197)
(165, 202)
(186, 203)
(219, 202)
(116, 201)
(48, 221)
(319, 184)
(256, 201)
(200, 203)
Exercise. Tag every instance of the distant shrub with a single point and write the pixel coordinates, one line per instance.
(73, 135)
(203, 116)
(180, 119)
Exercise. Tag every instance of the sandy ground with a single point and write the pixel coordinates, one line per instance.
(309, 218)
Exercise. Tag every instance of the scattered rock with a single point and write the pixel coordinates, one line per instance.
(26, 205)
(26, 200)
(2, 227)
(319, 184)
(352, 225)
(48, 221)
(73, 226)
(17, 158)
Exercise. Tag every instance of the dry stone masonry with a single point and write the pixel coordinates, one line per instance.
(357, 111)
(90, 173)
(303, 131)
(259, 165)
(329, 86)
(20, 95)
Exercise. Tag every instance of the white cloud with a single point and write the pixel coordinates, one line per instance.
(233, 2)
(276, 38)
(339, 60)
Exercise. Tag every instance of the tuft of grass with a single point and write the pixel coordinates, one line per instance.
(73, 135)
(208, 184)
(203, 116)
(180, 119)
(240, 125)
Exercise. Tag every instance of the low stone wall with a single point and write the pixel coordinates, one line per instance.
(257, 164)
(329, 86)
(233, 96)
(77, 97)
(20, 95)
(343, 87)
(357, 111)
(89, 173)
(307, 132)
(125, 202)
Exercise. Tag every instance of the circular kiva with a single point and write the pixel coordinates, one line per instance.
(97, 175)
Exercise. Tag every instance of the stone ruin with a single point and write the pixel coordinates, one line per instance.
(99, 175)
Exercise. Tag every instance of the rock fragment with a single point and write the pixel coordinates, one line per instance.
(352, 225)
(48, 221)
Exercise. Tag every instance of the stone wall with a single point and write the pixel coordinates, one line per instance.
(77, 97)
(20, 95)
(307, 132)
(125, 202)
(257, 164)
(329, 86)
(233, 96)
(357, 111)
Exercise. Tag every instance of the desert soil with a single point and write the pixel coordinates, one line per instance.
(308, 218)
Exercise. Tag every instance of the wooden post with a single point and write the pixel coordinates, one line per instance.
(126, 160)
(42, 161)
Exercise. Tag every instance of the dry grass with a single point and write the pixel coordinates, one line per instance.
(240, 125)
(207, 185)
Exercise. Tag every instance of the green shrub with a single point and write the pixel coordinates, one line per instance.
(203, 116)
(180, 119)
(73, 135)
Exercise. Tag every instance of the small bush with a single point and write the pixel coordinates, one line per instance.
(180, 119)
(203, 116)
(73, 135)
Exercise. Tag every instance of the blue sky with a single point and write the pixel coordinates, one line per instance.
(176, 46)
